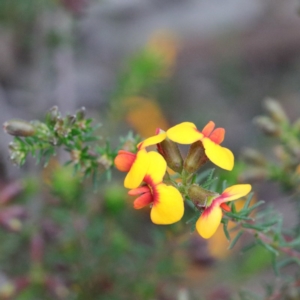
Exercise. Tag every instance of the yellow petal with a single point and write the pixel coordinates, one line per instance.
(157, 168)
(220, 156)
(137, 171)
(168, 206)
(235, 192)
(153, 140)
(184, 133)
(209, 221)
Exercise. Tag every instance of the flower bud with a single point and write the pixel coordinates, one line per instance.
(70, 120)
(267, 126)
(17, 156)
(199, 195)
(19, 128)
(60, 129)
(105, 161)
(129, 145)
(80, 113)
(196, 157)
(275, 111)
(42, 130)
(170, 151)
(253, 157)
(52, 115)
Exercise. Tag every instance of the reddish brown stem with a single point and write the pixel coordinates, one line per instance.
(290, 252)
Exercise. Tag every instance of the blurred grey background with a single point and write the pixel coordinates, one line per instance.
(231, 55)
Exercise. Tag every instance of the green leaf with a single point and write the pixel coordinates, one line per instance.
(233, 209)
(208, 183)
(275, 265)
(254, 206)
(224, 185)
(268, 247)
(253, 226)
(193, 221)
(236, 238)
(209, 178)
(270, 223)
(29, 141)
(225, 229)
(247, 202)
(238, 216)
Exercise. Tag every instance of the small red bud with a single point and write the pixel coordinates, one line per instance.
(225, 207)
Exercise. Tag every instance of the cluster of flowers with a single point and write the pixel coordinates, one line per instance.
(148, 179)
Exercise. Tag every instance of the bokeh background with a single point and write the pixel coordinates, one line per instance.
(137, 65)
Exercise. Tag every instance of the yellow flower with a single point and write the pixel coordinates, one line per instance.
(167, 203)
(187, 133)
(211, 217)
(136, 164)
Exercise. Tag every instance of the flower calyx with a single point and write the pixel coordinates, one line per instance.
(171, 153)
(200, 196)
(195, 158)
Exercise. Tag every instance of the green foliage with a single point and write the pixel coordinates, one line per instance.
(76, 134)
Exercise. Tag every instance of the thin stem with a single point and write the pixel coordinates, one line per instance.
(262, 236)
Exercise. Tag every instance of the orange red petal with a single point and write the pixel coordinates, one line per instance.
(208, 128)
(124, 160)
(143, 200)
(218, 135)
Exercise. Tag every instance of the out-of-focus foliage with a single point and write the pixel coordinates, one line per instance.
(80, 238)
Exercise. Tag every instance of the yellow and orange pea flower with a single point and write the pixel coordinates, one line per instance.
(211, 217)
(136, 164)
(211, 138)
(166, 202)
